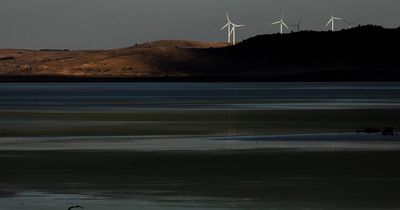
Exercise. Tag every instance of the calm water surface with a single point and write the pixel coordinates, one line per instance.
(142, 109)
(99, 115)
(127, 96)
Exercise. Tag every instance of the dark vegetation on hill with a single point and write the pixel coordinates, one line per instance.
(364, 53)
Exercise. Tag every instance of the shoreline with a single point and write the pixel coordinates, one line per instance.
(67, 79)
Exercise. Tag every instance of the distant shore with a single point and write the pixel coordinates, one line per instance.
(304, 56)
(55, 79)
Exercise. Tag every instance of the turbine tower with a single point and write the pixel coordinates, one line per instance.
(231, 30)
(298, 25)
(332, 22)
(281, 23)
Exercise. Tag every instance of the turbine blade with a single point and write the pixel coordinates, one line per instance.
(301, 20)
(227, 17)
(225, 26)
(285, 25)
(233, 29)
(328, 23)
(274, 23)
(349, 23)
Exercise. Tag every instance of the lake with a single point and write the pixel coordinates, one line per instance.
(137, 109)
(199, 146)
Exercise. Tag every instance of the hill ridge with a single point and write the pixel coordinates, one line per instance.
(363, 53)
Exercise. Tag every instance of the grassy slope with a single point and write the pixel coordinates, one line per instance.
(144, 60)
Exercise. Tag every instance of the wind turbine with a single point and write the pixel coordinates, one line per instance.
(233, 32)
(231, 29)
(281, 23)
(349, 24)
(228, 25)
(298, 25)
(332, 21)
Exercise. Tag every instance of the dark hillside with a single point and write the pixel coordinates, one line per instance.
(362, 53)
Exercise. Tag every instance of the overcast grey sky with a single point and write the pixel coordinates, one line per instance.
(106, 24)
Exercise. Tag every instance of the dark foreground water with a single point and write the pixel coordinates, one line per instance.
(199, 146)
